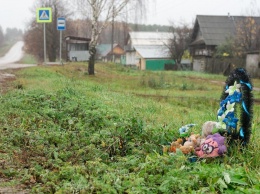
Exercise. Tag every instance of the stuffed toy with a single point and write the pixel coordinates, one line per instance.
(190, 144)
(175, 145)
(213, 146)
(207, 128)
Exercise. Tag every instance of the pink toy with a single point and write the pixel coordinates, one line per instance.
(213, 146)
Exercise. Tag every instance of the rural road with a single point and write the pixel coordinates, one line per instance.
(13, 56)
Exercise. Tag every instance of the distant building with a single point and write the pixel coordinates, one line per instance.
(104, 52)
(77, 48)
(148, 51)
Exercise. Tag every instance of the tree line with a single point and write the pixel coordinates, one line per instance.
(11, 35)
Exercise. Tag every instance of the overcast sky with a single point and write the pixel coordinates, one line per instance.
(16, 13)
(179, 11)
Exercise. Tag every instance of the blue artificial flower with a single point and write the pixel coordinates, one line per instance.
(223, 102)
(236, 97)
(226, 116)
(231, 120)
(221, 111)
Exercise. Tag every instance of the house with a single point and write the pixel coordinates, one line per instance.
(77, 48)
(104, 52)
(208, 33)
(153, 58)
(148, 51)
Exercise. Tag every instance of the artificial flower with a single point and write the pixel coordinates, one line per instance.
(220, 123)
(221, 110)
(232, 89)
(229, 107)
(231, 120)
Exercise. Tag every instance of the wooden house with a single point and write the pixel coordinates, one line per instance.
(208, 33)
(105, 53)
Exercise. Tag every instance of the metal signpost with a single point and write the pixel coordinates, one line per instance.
(44, 15)
(61, 25)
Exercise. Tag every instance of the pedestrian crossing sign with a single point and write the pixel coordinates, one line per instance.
(44, 15)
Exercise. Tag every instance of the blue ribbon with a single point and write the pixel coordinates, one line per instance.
(241, 133)
(247, 84)
(245, 109)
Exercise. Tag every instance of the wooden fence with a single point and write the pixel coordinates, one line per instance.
(223, 66)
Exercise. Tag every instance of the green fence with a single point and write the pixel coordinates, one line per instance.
(160, 64)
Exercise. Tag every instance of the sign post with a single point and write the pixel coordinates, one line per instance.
(61, 25)
(44, 15)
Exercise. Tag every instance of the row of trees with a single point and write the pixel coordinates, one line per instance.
(11, 35)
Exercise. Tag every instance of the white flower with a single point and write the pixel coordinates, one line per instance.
(229, 107)
(232, 89)
(220, 124)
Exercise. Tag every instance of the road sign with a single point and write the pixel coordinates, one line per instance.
(61, 23)
(44, 15)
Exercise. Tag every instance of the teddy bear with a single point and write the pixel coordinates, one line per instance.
(175, 145)
(190, 144)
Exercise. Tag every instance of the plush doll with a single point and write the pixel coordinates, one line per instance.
(207, 128)
(213, 146)
(175, 145)
(192, 142)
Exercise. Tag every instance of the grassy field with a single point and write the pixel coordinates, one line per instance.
(63, 131)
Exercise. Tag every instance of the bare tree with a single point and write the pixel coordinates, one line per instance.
(247, 34)
(179, 42)
(101, 14)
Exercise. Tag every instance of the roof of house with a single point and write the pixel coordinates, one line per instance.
(149, 38)
(153, 52)
(215, 29)
(76, 38)
(104, 49)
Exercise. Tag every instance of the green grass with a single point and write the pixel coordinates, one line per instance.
(28, 59)
(63, 131)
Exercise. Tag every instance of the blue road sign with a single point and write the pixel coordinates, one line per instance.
(44, 15)
(61, 23)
